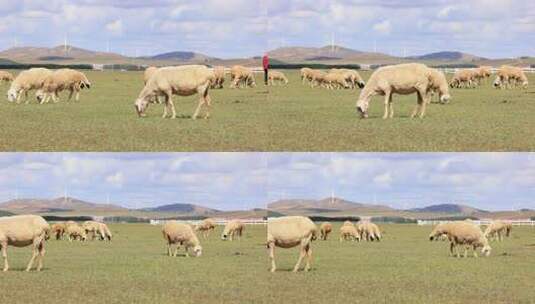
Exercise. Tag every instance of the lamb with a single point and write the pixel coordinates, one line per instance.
(26, 81)
(219, 73)
(58, 229)
(181, 234)
(76, 232)
(325, 229)
(369, 231)
(349, 233)
(496, 229)
(183, 81)
(206, 226)
(60, 80)
(289, 232)
(402, 79)
(276, 75)
(509, 76)
(232, 228)
(5, 76)
(22, 231)
(241, 75)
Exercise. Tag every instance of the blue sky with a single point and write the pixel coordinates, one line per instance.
(237, 28)
(494, 181)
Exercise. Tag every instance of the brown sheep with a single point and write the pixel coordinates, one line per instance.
(325, 229)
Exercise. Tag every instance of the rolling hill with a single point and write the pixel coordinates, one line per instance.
(449, 209)
(181, 56)
(59, 54)
(182, 209)
(449, 56)
(329, 54)
(69, 204)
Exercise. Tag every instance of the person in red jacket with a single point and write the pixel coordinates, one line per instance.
(265, 64)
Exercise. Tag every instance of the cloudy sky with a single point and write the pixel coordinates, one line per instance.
(494, 181)
(236, 28)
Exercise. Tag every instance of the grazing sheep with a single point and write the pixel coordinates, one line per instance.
(509, 77)
(325, 229)
(26, 81)
(219, 73)
(240, 75)
(76, 232)
(482, 73)
(232, 229)
(402, 79)
(335, 81)
(289, 232)
(148, 73)
(352, 77)
(206, 226)
(97, 228)
(178, 234)
(58, 230)
(497, 228)
(369, 231)
(317, 78)
(347, 223)
(60, 80)
(466, 78)
(277, 76)
(183, 81)
(5, 76)
(349, 233)
(22, 231)
(306, 75)
(462, 233)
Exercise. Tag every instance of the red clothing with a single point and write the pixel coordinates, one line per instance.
(265, 62)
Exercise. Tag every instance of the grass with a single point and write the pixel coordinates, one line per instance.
(134, 269)
(403, 268)
(407, 268)
(291, 118)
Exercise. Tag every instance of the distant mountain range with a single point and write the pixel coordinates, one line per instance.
(450, 208)
(295, 54)
(67, 204)
(183, 208)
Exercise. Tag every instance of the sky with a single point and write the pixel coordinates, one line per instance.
(239, 28)
(232, 181)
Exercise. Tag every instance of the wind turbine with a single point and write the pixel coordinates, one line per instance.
(66, 47)
(332, 43)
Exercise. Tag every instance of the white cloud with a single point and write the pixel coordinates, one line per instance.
(116, 179)
(383, 27)
(115, 27)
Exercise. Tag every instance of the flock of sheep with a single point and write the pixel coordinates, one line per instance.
(300, 231)
(162, 83)
(33, 230)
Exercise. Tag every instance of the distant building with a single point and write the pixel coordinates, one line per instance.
(98, 67)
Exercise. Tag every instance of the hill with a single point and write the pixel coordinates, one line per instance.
(68, 204)
(449, 56)
(329, 54)
(67, 54)
(449, 209)
(181, 56)
(326, 206)
(182, 208)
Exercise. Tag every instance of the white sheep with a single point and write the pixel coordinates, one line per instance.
(219, 73)
(206, 226)
(183, 81)
(277, 77)
(22, 231)
(463, 233)
(178, 234)
(26, 81)
(497, 229)
(6, 76)
(233, 228)
(349, 233)
(240, 75)
(402, 79)
(60, 80)
(288, 232)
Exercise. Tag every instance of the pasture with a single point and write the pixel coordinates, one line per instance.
(407, 268)
(133, 268)
(280, 118)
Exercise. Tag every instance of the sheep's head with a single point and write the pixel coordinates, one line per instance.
(197, 250)
(444, 97)
(362, 108)
(141, 106)
(486, 250)
(40, 95)
(11, 95)
(225, 234)
(361, 84)
(497, 82)
(85, 85)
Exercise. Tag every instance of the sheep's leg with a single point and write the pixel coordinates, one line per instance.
(41, 256)
(4, 255)
(418, 105)
(77, 97)
(309, 258)
(19, 97)
(176, 250)
(70, 94)
(27, 100)
(474, 248)
(271, 248)
(302, 254)
(34, 255)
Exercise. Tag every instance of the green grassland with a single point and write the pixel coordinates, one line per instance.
(133, 268)
(404, 268)
(407, 268)
(283, 118)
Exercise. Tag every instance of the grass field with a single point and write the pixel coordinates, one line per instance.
(404, 268)
(291, 118)
(134, 269)
(407, 268)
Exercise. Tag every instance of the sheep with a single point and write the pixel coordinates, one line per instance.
(241, 75)
(94, 228)
(335, 81)
(482, 73)
(462, 233)
(352, 77)
(325, 229)
(62, 79)
(26, 81)
(317, 78)
(369, 231)
(183, 81)
(464, 78)
(22, 231)
(288, 232)
(402, 79)
(5, 76)
(181, 234)
(58, 229)
(509, 76)
(76, 232)
(219, 73)
(276, 75)
(206, 226)
(306, 75)
(232, 228)
(349, 233)
(148, 73)
(496, 229)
